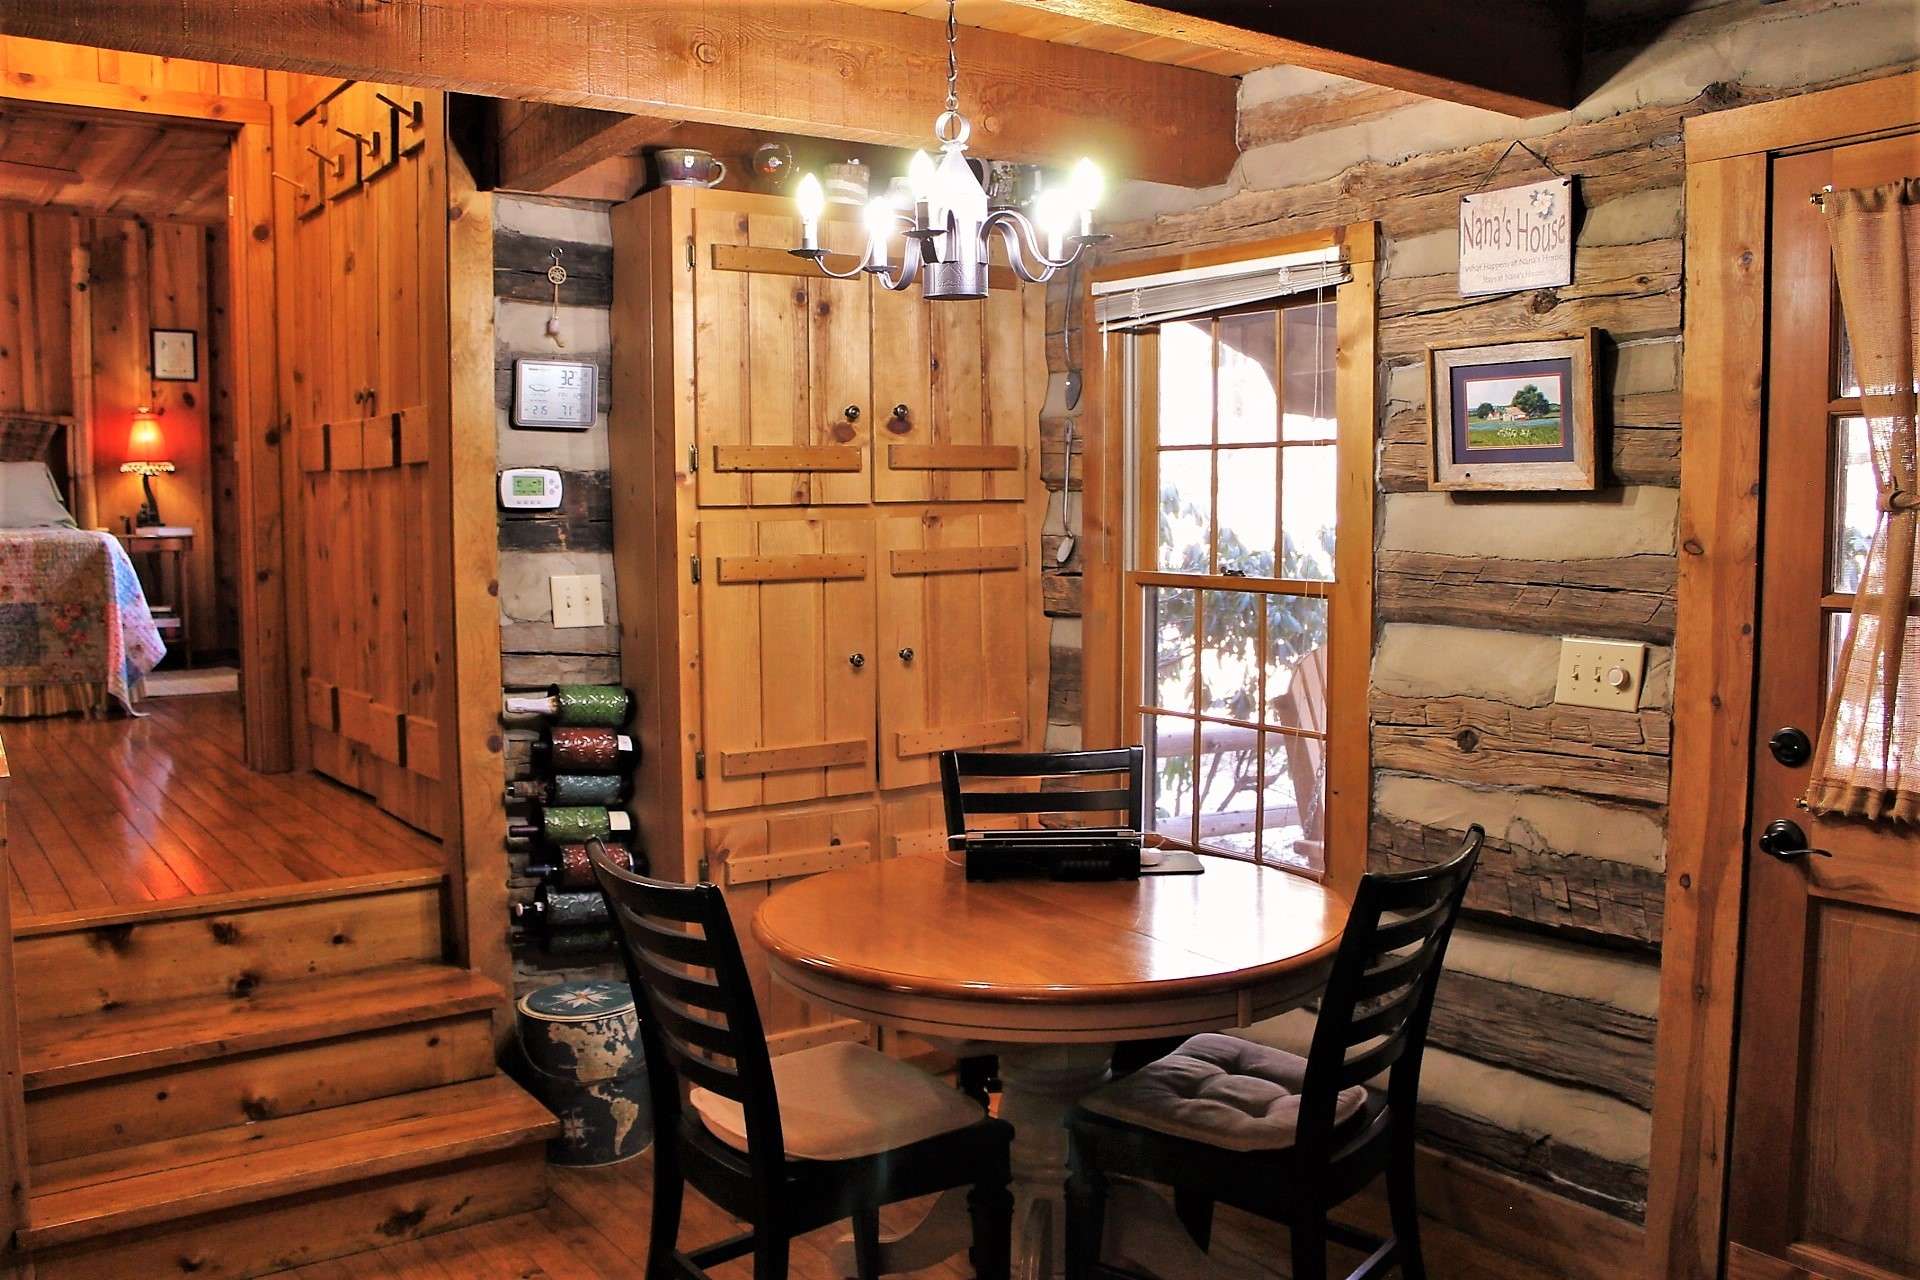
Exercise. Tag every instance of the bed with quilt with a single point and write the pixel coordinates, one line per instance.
(75, 630)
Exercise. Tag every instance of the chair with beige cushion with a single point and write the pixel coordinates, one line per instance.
(787, 1144)
(1223, 1120)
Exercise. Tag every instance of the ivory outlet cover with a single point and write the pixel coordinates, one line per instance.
(576, 600)
(1601, 673)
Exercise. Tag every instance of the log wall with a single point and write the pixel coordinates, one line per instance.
(1543, 1031)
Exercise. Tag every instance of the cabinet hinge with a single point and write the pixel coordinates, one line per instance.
(693, 567)
(689, 253)
(700, 766)
(693, 457)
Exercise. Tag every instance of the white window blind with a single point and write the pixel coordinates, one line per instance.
(1140, 302)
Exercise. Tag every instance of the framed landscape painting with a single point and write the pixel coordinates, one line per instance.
(1513, 416)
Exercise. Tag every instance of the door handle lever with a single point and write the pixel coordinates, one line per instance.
(1786, 840)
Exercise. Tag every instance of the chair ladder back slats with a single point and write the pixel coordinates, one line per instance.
(1395, 972)
(956, 767)
(1401, 933)
(679, 1021)
(696, 1068)
(1385, 1020)
(698, 993)
(1420, 890)
(1364, 1066)
(684, 947)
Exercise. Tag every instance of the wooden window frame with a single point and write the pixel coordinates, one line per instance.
(1112, 675)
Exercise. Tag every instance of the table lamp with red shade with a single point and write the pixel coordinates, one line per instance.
(146, 458)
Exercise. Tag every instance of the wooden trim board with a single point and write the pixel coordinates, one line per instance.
(1831, 115)
(13, 1108)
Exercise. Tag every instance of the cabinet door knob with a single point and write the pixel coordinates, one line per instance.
(906, 654)
(852, 413)
(856, 660)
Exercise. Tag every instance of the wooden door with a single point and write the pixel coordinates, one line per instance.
(953, 638)
(780, 365)
(370, 255)
(1826, 1143)
(786, 660)
(754, 857)
(957, 390)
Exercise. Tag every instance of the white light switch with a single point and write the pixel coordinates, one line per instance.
(1601, 673)
(576, 600)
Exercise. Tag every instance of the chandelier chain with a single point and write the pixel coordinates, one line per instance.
(953, 56)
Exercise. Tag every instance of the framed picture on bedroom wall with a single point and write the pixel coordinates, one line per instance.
(176, 355)
(1514, 416)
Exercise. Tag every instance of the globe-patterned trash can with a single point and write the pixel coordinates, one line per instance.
(580, 1054)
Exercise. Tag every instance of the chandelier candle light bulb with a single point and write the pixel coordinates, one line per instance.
(950, 228)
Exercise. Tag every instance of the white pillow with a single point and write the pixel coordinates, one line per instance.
(29, 499)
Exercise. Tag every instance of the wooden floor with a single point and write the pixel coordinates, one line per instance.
(595, 1228)
(122, 812)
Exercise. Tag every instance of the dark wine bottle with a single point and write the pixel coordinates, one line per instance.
(585, 749)
(572, 865)
(562, 910)
(605, 705)
(572, 788)
(564, 824)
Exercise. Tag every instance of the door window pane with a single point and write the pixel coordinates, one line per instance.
(1171, 669)
(1248, 406)
(1186, 501)
(1856, 504)
(1308, 511)
(1170, 775)
(1296, 662)
(1230, 658)
(1307, 397)
(1293, 802)
(1186, 382)
(1247, 510)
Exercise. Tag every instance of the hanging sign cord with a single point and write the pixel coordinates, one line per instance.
(1549, 165)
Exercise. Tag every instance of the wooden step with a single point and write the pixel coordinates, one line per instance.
(186, 1182)
(230, 945)
(149, 1072)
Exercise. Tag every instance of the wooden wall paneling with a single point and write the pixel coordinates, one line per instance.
(80, 442)
(1105, 612)
(120, 361)
(1356, 389)
(840, 373)
(1714, 659)
(36, 361)
(959, 339)
(902, 376)
(177, 298)
(470, 741)
(13, 1107)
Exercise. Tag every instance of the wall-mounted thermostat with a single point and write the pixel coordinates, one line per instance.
(555, 394)
(530, 489)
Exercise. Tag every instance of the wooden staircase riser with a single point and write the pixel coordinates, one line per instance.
(125, 1110)
(259, 1239)
(86, 970)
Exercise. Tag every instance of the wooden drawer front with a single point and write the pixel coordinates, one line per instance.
(787, 660)
(971, 377)
(779, 359)
(752, 858)
(953, 639)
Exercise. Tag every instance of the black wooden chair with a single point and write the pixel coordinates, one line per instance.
(1121, 803)
(792, 1144)
(1224, 1120)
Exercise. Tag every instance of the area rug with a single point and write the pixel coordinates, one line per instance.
(175, 684)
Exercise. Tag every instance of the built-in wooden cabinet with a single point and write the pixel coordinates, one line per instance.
(826, 525)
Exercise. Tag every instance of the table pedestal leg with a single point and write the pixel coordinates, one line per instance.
(1040, 1084)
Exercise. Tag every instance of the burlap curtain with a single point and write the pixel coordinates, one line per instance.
(1868, 762)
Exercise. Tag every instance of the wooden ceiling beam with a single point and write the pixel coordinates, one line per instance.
(542, 145)
(826, 70)
(1517, 57)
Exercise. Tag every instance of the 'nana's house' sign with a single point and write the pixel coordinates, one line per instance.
(1519, 238)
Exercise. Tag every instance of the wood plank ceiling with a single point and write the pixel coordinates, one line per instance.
(100, 163)
(1020, 19)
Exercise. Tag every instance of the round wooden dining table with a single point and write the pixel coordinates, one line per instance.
(1049, 976)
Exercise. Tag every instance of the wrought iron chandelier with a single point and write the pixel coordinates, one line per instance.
(947, 233)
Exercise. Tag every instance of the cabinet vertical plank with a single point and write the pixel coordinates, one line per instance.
(956, 629)
(902, 684)
(794, 657)
(850, 705)
(1006, 420)
(839, 324)
(902, 376)
(959, 398)
(779, 401)
(730, 691)
(719, 371)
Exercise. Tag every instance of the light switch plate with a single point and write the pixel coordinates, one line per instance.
(1601, 673)
(576, 600)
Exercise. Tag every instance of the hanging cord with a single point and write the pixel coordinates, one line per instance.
(953, 55)
(1549, 165)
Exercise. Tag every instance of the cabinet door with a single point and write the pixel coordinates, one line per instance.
(957, 387)
(753, 858)
(780, 366)
(786, 685)
(953, 639)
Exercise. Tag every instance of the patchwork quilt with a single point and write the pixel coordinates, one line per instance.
(72, 613)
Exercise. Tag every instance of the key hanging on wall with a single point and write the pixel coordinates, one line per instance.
(557, 274)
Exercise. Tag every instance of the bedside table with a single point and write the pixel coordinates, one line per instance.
(172, 612)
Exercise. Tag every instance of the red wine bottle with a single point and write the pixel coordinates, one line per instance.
(571, 866)
(585, 749)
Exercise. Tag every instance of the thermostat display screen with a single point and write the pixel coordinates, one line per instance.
(526, 486)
